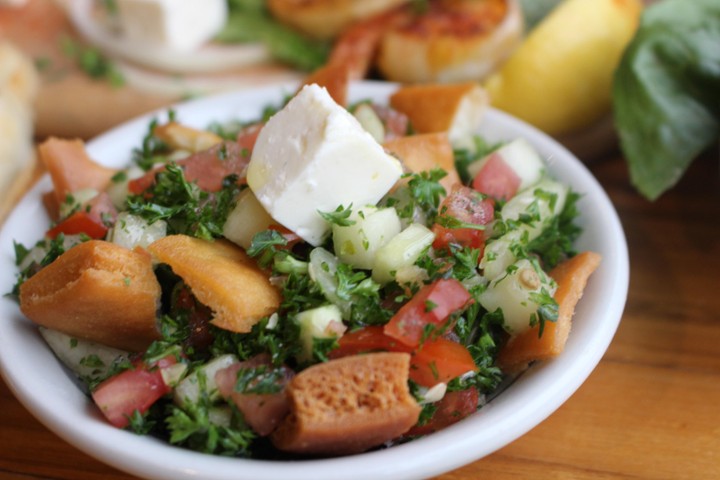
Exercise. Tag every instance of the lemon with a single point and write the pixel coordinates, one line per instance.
(559, 79)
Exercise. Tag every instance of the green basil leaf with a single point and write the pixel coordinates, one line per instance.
(666, 92)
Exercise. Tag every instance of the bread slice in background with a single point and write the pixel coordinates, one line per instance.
(18, 89)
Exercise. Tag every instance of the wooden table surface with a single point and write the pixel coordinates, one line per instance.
(650, 410)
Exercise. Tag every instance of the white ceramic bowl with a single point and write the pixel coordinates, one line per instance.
(49, 392)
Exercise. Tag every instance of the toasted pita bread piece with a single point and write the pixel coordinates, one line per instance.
(222, 277)
(425, 152)
(71, 168)
(456, 109)
(97, 291)
(348, 405)
(571, 276)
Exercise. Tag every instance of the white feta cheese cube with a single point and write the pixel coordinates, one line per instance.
(179, 25)
(312, 156)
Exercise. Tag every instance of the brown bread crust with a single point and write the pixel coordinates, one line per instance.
(96, 291)
(221, 276)
(348, 405)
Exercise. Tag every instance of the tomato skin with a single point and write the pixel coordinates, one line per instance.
(207, 168)
(79, 222)
(437, 360)
(200, 337)
(120, 396)
(90, 219)
(247, 137)
(452, 408)
(262, 412)
(431, 305)
(366, 340)
(396, 123)
(468, 206)
(462, 237)
(463, 205)
(440, 360)
(496, 178)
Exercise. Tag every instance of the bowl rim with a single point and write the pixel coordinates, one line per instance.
(537, 394)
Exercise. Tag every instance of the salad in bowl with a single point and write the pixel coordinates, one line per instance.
(289, 278)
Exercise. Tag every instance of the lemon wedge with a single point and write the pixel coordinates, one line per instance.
(559, 79)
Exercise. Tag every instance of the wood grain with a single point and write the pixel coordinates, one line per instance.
(649, 410)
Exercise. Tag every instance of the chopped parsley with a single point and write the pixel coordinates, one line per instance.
(185, 207)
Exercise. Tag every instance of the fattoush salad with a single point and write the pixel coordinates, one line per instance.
(326, 279)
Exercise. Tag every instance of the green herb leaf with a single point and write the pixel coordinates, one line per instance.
(259, 380)
(187, 209)
(666, 92)
(251, 22)
(340, 216)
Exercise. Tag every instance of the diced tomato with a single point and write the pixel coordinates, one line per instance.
(93, 219)
(366, 340)
(207, 168)
(79, 222)
(431, 305)
(263, 412)
(120, 396)
(440, 360)
(496, 179)
(452, 408)
(463, 237)
(200, 337)
(467, 206)
(396, 123)
(437, 360)
(464, 206)
(248, 136)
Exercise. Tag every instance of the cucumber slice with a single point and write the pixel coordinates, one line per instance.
(358, 244)
(401, 252)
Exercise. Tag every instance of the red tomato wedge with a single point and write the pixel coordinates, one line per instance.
(247, 137)
(79, 222)
(120, 396)
(496, 178)
(366, 340)
(464, 206)
(92, 219)
(207, 168)
(396, 123)
(438, 360)
(452, 408)
(263, 412)
(431, 305)
(463, 237)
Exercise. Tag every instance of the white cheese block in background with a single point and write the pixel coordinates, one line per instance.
(176, 24)
(314, 156)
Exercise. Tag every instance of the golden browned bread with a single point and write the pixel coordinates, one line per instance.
(182, 137)
(18, 89)
(424, 152)
(348, 405)
(453, 41)
(96, 291)
(335, 77)
(327, 18)
(453, 108)
(223, 277)
(71, 168)
(571, 276)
